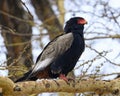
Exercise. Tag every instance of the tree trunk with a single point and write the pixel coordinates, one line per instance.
(15, 29)
(47, 16)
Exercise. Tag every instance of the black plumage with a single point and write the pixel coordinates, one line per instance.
(61, 54)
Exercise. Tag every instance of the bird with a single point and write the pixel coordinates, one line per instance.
(60, 55)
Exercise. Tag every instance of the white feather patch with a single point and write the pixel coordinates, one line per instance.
(42, 64)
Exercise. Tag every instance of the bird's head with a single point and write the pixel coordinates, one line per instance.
(75, 23)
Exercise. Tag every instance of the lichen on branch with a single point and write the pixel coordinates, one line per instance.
(57, 85)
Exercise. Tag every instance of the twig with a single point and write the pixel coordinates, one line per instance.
(103, 56)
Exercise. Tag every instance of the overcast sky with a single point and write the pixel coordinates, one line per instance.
(113, 46)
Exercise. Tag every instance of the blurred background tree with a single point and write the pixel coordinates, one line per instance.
(26, 26)
(16, 31)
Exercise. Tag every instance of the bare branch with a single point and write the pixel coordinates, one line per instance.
(31, 87)
(104, 37)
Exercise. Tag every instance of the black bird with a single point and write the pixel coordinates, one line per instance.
(60, 56)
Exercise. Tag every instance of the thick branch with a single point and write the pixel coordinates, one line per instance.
(6, 86)
(80, 86)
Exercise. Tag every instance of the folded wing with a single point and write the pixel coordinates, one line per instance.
(51, 52)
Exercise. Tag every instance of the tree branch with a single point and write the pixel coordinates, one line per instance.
(78, 86)
(104, 37)
(6, 86)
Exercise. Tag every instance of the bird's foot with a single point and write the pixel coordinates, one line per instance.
(62, 76)
(67, 80)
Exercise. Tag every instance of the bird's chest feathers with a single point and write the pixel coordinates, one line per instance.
(77, 46)
(72, 55)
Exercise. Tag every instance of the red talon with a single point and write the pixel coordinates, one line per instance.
(62, 76)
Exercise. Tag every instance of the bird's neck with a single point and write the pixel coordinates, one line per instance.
(78, 32)
(74, 29)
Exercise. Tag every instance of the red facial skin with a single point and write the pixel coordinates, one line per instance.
(82, 21)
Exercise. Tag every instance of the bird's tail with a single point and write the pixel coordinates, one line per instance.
(26, 77)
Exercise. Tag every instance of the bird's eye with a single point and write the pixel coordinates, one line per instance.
(81, 21)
